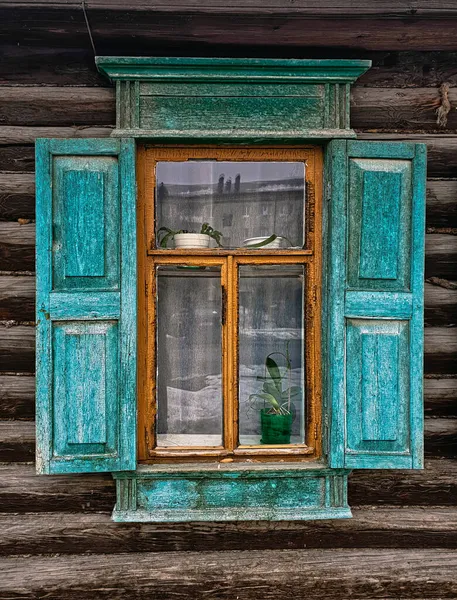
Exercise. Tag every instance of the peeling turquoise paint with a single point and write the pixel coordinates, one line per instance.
(86, 289)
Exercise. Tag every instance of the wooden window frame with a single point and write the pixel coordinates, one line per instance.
(228, 260)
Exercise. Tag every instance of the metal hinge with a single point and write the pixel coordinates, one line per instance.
(316, 430)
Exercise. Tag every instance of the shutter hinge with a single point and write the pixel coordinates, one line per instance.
(316, 430)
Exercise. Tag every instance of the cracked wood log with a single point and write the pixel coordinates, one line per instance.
(90, 533)
(320, 574)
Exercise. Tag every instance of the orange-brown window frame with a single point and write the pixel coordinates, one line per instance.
(149, 257)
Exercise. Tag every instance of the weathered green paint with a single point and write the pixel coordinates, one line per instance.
(236, 493)
(86, 287)
(86, 305)
(232, 100)
(375, 265)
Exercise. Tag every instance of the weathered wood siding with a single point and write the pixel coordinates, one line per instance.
(402, 540)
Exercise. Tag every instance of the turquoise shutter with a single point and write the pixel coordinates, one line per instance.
(374, 311)
(86, 305)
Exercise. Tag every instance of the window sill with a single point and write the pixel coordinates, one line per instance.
(231, 492)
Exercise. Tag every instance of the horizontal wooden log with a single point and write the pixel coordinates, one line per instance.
(24, 491)
(279, 25)
(17, 298)
(441, 256)
(441, 149)
(17, 251)
(381, 8)
(370, 527)
(11, 135)
(17, 397)
(440, 397)
(57, 106)
(17, 190)
(17, 196)
(17, 301)
(371, 108)
(440, 305)
(320, 574)
(17, 439)
(441, 202)
(17, 348)
(17, 247)
(440, 349)
(49, 65)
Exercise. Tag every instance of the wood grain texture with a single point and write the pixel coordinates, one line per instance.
(17, 247)
(17, 301)
(91, 533)
(135, 29)
(323, 573)
(53, 65)
(24, 491)
(17, 348)
(86, 367)
(17, 397)
(441, 151)
(17, 441)
(372, 108)
(383, 8)
(17, 190)
(17, 298)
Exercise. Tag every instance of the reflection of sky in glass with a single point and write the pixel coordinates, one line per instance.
(192, 172)
(242, 200)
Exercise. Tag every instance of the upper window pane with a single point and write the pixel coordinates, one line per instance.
(242, 200)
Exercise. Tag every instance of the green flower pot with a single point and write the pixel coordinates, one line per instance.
(276, 429)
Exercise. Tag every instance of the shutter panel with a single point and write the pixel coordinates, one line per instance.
(86, 305)
(375, 290)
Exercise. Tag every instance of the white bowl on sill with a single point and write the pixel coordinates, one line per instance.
(276, 243)
(192, 240)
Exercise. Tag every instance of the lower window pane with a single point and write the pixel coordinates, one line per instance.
(189, 356)
(271, 355)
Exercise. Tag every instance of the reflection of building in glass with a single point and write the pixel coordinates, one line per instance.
(238, 209)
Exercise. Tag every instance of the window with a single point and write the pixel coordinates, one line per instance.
(168, 348)
(232, 344)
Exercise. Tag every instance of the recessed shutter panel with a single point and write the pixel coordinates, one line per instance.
(86, 305)
(376, 225)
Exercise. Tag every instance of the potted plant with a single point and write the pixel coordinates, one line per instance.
(184, 238)
(277, 412)
(272, 241)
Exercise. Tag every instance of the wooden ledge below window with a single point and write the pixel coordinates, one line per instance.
(231, 492)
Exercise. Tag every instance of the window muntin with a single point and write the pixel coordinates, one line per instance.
(305, 441)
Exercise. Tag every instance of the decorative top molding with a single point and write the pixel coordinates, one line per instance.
(258, 70)
(225, 100)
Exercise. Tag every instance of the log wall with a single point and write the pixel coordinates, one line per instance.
(56, 537)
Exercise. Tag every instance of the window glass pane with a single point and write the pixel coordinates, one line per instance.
(271, 355)
(242, 200)
(189, 356)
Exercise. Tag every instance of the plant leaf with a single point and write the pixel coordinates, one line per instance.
(268, 398)
(270, 388)
(274, 372)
